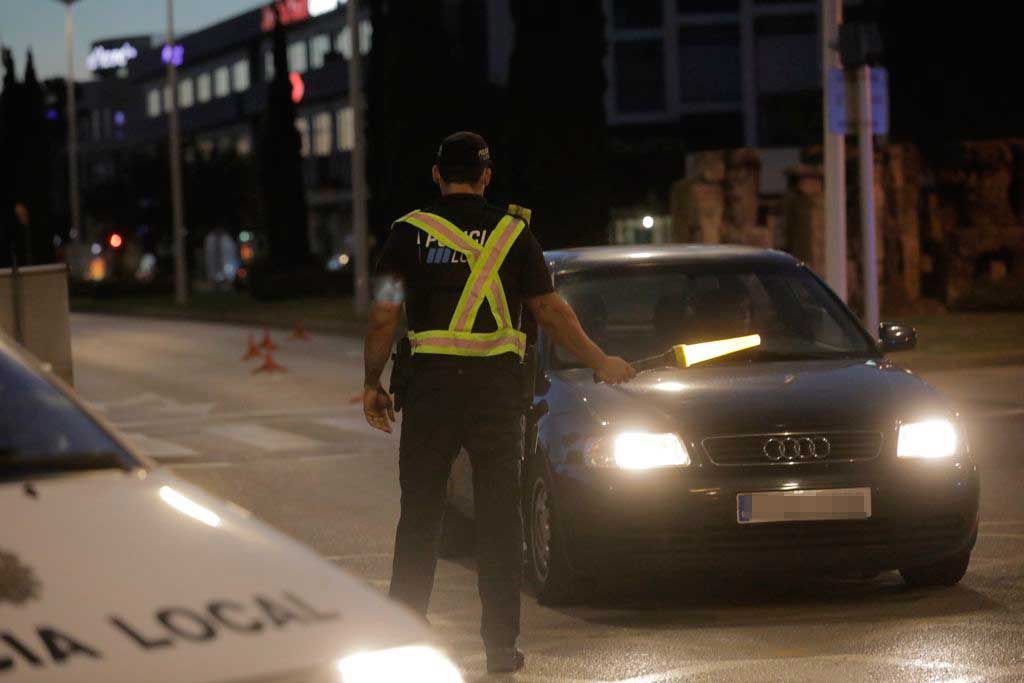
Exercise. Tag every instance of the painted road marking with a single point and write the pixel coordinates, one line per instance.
(151, 401)
(265, 438)
(158, 448)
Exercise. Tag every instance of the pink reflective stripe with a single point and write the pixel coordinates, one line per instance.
(473, 344)
(456, 237)
(487, 270)
(499, 305)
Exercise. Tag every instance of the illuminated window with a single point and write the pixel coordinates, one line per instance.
(241, 75)
(203, 91)
(186, 93)
(268, 65)
(318, 48)
(167, 98)
(297, 57)
(346, 129)
(303, 126)
(153, 102)
(343, 40)
(221, 82)
(244, 147)
(205, 148)
(322, 134)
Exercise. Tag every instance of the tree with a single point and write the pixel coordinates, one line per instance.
(557, 129)
(284, 192)
(8, 162)
(33, 177)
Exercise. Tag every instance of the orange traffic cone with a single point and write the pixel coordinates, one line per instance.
(300, 332)
(253, 350)
(270, 365)
(267, 342)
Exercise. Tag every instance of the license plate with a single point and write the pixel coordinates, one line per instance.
(803, 506)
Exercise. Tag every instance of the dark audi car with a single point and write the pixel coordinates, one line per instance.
(810, 451)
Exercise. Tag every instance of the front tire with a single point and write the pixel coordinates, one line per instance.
(547, 567)
(947, 572)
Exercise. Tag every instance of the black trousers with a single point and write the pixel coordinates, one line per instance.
(475, 404)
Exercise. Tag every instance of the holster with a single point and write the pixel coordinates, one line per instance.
(401, 371)
(529, 378)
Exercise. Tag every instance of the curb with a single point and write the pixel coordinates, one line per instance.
(341, 328)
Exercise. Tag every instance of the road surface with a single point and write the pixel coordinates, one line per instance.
(293, 449)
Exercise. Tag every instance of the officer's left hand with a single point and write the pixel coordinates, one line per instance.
(377, 407)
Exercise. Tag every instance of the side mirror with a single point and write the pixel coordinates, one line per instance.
(896, 337)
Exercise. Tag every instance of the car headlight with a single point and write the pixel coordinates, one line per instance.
(639, 451)
(927, 439)
(411, 663)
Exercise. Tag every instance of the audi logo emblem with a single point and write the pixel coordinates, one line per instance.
(796, 448)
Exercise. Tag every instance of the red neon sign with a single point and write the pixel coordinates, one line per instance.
(290, 11)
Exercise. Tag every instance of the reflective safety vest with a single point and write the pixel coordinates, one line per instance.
(483, 283)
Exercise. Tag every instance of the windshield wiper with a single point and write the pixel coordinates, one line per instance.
(15, 465)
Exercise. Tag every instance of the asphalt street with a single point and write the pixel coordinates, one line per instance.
(292, 448)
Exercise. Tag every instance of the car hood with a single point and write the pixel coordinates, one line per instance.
(777, 396)
(114, 576)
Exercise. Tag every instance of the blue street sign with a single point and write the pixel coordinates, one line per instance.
(836, 102)
(879, 100)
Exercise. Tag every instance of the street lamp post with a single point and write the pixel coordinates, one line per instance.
(359, 191)
(174, 149)
(835, 156)
(74, 203)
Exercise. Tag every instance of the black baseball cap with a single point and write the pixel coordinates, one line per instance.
(464, 150)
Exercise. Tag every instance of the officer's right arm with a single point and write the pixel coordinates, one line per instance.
(559, 320)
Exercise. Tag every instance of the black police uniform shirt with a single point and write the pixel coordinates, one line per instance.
(434, 275)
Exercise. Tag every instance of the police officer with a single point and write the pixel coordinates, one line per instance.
(465, 270)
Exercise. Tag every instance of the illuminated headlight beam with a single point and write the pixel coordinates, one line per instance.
(927, 439)
(412, 663)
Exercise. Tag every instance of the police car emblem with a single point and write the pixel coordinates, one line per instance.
(18, 583)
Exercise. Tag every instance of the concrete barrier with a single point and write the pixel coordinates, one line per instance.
(34, 311)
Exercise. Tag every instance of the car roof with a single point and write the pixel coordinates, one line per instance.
(587, 258)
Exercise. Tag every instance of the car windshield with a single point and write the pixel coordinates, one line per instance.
(42, 431)
(642, 312)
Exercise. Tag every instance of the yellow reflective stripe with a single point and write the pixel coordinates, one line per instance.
(469, 343)
(484, 272)
(444, 232)
(499, 306)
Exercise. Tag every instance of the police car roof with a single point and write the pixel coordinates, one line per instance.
(587, 258)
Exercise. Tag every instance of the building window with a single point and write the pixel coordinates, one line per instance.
(244, 146)
(297, 57)
(240, 75)
(322, 134)
(709, 64)
(639, 76)
(346, 129)
(203, 91)
(221, 82)
(318, 49)
(186, 93)
(302, 125)
(343, 40)
(153, 102)
(637, 13)
(268, 65)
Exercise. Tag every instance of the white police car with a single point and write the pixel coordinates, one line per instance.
(114, 570)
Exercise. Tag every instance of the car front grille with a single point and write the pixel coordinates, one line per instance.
(792, 448)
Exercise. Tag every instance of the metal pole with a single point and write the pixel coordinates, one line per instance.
(359, 191)
(174, 144)
(835, 157)
(866, 148)
(74, 202)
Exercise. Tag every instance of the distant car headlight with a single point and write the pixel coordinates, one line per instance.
(927, 439)
(639, 451)
(411, 663)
